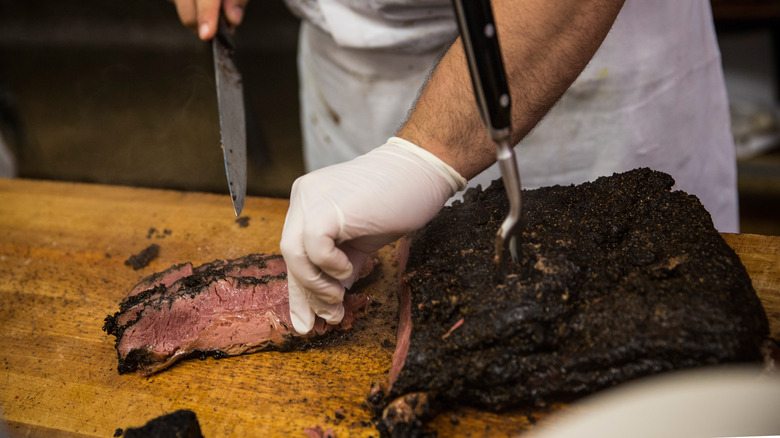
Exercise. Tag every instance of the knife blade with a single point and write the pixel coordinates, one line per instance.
(232, 122)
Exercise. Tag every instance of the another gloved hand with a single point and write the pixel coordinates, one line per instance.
(202, 15)
(340, 214)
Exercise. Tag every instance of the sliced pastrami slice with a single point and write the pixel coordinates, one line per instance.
(224, 308)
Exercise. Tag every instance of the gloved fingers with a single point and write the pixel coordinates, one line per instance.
(208, 14)
(234, 11)
(357, 258)
(319, 242)
(311, 290)
(304, 305)
(301, 314)
(332, 313)
(308, 276)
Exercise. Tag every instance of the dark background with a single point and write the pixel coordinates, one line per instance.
(119, 92)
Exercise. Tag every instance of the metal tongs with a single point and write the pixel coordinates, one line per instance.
(480, 42)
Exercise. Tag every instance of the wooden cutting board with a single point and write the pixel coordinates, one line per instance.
(63, 248)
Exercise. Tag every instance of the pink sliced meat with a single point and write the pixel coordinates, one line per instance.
(222, 308)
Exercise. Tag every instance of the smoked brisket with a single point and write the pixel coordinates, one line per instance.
(222, 308)
(618, 278)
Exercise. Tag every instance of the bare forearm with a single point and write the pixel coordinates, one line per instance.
(545, 45)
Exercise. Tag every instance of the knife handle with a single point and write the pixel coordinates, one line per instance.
(480, 42)
(224, 33)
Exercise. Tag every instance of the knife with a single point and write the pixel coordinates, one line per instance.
(232, 122)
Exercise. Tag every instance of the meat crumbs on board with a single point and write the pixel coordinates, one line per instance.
(619, 278)
(143, 258)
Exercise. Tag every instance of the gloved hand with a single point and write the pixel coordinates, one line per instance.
(340, 214)
(202, 15)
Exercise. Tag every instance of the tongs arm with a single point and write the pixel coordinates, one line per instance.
(488, 77)
(480, 43)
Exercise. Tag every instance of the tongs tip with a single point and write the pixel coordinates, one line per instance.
(507, 245)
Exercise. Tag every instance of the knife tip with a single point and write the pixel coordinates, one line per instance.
(238, 207)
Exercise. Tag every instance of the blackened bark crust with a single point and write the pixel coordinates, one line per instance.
(619, 278)
(180, 424)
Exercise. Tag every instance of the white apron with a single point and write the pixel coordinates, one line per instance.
(652, 96)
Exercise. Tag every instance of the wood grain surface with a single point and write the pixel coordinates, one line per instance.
(63, 248)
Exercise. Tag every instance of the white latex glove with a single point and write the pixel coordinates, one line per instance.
(340, 214)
